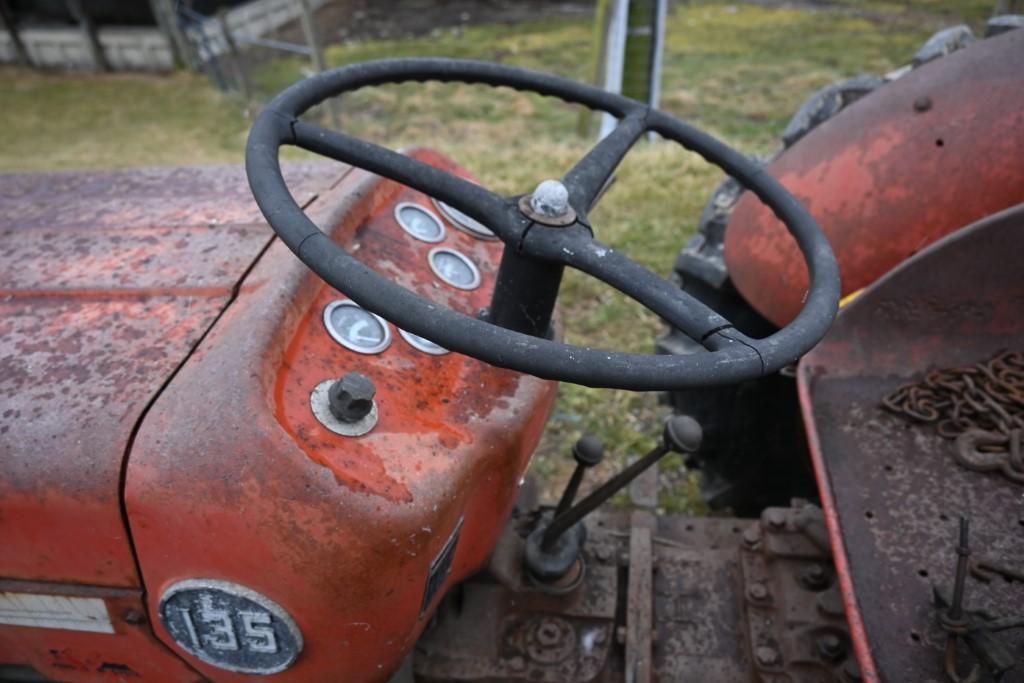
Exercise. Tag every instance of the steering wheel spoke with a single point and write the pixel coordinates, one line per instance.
(575, 247)
(497, 213)
(586, 179)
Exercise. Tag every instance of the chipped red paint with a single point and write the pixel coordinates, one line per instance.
(885, 179)
(107, 281)
(443, 391)
(232, 478)
(132, 653)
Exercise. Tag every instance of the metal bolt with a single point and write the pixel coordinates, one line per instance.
(814, 576)
(133, 616)
(757, 592)
(351, 397)
(776, 518)
(923, 103)
(830, 603)
(551, 198)
(766, 656)
(620, 635)
(603, 553)
(752, 536)
(831, 647)
(548, 634)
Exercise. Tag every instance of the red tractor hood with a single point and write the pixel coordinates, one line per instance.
(108, 281)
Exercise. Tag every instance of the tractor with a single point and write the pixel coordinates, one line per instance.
(287, 440)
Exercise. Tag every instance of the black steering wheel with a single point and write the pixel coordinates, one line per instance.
(543, 233)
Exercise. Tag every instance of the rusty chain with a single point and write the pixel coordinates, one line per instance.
(981, 407)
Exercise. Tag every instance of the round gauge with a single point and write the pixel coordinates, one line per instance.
(418, 222)
(356, 328)
(454, 268)
(422, 343)
(464, 222)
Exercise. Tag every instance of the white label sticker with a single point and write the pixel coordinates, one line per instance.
(54, 611)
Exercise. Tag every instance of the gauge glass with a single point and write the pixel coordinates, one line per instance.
(454, 268)
(356, 328)
(419, 222)
(464, 222)
(422, 343)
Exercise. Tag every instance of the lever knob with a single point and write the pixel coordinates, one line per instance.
(588, 451)
(682, 434)
(351, 397)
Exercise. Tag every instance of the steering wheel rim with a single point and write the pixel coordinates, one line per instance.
(732, 356)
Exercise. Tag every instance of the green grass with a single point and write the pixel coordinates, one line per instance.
(737, 70)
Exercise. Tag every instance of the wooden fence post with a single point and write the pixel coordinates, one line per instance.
(92, 41)
(236, 58)
(167, 20)
(317, 54)
(12, 28)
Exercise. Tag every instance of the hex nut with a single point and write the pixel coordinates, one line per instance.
(766, 656)
(757, 592)
(831, 647)
(351, 398)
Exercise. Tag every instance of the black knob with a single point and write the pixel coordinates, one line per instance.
(588, 451)
(682, 434)
(351, 397)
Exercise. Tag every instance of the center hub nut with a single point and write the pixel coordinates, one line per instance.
(548, 205)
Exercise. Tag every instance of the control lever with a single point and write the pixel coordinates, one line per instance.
(552, 549)
(588, 452)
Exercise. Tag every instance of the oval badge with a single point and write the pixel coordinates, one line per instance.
(230, 626)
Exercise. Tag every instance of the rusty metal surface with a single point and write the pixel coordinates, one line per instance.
(795, 617)
(688, 578)
(233, 472)
(132, 653)
(981, 406)
(892, 491)
(107, 280)
(147, 197)
(499, 627)
(700, 630)
(885, 178)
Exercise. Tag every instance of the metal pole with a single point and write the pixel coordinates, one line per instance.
(637, 55)
(614, 57)
(92, 41)
(657, 50)
(311, 38)
(9, 23)
(583, 123)
(316, 53)
(167, 20)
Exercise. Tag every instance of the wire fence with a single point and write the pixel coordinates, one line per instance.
(235, 48)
